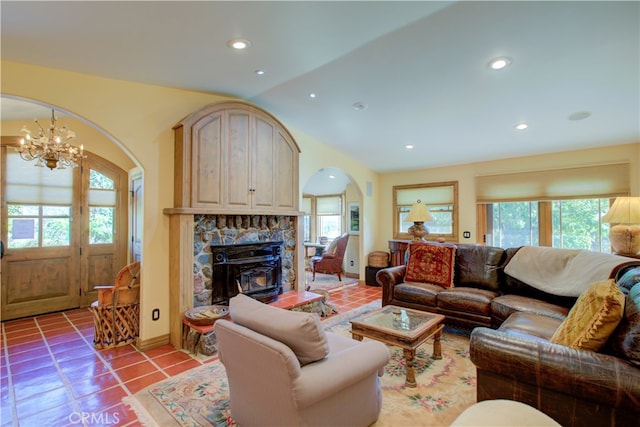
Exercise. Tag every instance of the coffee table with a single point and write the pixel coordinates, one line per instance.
(404, 328)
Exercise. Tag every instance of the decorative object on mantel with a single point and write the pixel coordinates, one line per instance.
(51, 146)
(418, 215)
(624, 215)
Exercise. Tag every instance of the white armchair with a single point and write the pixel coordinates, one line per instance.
(284, 369)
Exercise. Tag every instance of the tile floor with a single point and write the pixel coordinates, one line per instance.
(51, 374)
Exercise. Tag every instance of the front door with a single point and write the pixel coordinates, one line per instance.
(50, 220)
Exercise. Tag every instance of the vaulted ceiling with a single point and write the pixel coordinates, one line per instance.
(385, 74)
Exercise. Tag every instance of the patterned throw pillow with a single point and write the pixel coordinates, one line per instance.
(593, 318)
(431, 263)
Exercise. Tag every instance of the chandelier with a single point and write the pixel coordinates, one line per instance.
(51, 146)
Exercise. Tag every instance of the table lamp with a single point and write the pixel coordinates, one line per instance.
(418, 215)
(624, 217)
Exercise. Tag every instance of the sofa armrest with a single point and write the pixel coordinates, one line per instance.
(388, 278)
(322, 379)
(586, 375)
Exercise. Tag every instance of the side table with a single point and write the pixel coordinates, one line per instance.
(192, 335)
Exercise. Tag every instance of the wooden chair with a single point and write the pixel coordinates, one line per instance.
(331, 260)
(117, 312)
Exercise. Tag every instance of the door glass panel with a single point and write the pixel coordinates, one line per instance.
(102, 202)
(24, 226)
(100, 225)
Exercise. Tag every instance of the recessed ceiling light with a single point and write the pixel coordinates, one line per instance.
(260, 72)
(359, 106)
(313, 95)
(580, 115)
(522, 126)
(239, 44)
(409, 146)
(499, 63)
(332, 176)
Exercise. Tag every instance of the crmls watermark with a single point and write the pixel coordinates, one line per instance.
(94, 418)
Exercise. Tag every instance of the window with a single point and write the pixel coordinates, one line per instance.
(559, 208)
(38, 204)
(441, 199)
(33, 226)
(329, 215)
(102, 202)
(324, 217)
(570, 223)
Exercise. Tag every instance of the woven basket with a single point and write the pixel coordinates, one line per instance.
(379, 259)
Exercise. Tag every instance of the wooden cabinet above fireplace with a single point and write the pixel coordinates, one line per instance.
(235, 157)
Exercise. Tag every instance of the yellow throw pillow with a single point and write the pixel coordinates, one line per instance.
(593, 318)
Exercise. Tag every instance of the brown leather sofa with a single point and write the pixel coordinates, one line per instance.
(516, 361)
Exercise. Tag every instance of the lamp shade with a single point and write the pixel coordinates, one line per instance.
(625, 210)
(419, 213)
(624, 217)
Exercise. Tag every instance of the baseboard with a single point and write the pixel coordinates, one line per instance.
(352, 275)
(152, 342)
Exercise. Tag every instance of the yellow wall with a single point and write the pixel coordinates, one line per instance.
(139, 119)
(465, 175)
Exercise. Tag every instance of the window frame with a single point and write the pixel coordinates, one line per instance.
(449, 237)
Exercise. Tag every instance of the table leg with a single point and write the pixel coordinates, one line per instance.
(437, 346)
(409, 355)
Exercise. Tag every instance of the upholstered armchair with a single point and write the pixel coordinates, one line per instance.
(331, 260)
(117, 311)
(285, 370)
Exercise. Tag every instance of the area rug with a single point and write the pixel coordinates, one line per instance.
(200, 397)
(328, 282)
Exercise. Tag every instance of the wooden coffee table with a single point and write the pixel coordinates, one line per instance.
(404, 328)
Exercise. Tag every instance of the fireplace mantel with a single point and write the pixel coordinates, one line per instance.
(231, 159)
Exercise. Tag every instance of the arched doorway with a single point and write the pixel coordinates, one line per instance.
(63, 231)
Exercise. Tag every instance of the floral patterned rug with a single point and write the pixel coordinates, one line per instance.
(200, 397)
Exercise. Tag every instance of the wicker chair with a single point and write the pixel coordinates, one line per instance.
(117, 311)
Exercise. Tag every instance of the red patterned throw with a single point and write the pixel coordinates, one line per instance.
(431, 263)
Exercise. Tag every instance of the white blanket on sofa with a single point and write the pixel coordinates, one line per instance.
(564, 272)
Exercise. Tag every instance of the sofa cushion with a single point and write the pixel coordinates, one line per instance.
(431, 263)
(479, 266)
(301, 332)
(593, 318)
(470, 300)
(505, 305)
(531, 324)
(417, 293)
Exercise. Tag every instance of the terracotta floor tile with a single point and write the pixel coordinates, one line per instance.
(159, 351)
(41, 402)
(124, 414)
(76, 373)
(103, 399)
(30, 346)
(60, 415)
(70, 344)
(19, 338)
(171, 359)
(181, 367)
(74, 353)
(21, 363)
(111, 353)
(28, 387)
(134, 371)
(138, 384)
(126, 360)
(93, 384)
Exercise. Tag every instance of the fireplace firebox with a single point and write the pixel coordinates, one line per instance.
(255, 269)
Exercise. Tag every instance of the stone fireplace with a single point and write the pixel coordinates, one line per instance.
(251, 251)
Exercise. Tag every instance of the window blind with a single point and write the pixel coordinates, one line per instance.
(595, 181)
(28, 184)
(428, 195)
(331, 205)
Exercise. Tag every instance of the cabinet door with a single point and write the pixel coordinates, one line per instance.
(237, 180)
(286, 173)
(264, 164)
(207, 169)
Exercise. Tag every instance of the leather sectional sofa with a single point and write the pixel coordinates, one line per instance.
(513, 320)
